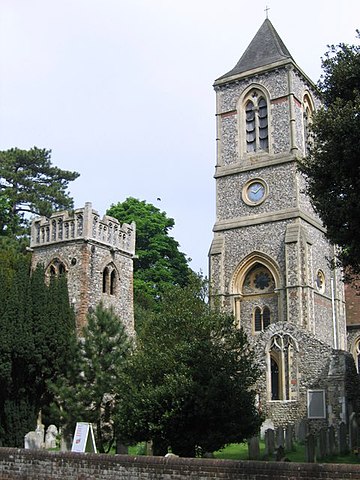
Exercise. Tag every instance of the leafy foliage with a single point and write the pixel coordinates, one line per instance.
(333, 164)
(189, 382)
(159, 262)
(30, 184)
(86, 392)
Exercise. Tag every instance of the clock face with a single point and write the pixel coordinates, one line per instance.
(254, 192)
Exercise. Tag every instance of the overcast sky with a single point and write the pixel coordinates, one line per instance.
(121, 91)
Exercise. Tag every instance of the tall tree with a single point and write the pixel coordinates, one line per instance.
(332, 167)
(30, 354)
(189, 384)
(30, 184)
(86, 391)
(159, 261)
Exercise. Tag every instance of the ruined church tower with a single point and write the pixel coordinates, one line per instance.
(269, 258)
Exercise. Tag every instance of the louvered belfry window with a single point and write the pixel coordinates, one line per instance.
(256, 113)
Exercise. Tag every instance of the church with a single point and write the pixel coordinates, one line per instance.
(269, 261)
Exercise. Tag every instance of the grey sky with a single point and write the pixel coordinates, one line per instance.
(121, 91)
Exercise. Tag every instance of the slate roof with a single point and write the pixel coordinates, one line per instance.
(265, 48)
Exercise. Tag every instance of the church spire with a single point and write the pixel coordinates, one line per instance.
(265, 49)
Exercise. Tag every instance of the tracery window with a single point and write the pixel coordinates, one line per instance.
(256, 120)
(109, 280)
(55, 268)
(283, 367)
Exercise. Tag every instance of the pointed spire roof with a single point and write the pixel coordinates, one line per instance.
(265, 48)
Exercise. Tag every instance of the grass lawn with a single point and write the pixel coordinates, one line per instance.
(240, 452)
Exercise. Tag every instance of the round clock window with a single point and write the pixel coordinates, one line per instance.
(254, 192)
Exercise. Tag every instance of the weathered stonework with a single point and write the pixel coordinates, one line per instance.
(269, 261)
(95, 253)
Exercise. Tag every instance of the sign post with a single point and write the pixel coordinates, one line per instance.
(84, 440)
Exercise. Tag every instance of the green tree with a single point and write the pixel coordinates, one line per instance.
(332, 167)
(159, 261)
(30, 184)
(30, 354)
(189, 384)
(86, 392)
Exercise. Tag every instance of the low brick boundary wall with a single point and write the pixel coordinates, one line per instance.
(43, 465)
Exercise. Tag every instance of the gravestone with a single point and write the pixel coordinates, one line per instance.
(289, 433)
(35, 440)
(267, 424)
(301, 431)
(51, 437)
(269, 441)
(322, 444)
(280, 437)
(353, 432)
(310, 448)
(254, 448)
(343, 443)
(333, 450)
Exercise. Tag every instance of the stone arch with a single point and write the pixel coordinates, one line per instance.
(262, 121)
(255, 288)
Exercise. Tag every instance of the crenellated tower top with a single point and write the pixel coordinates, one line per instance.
(83, 224)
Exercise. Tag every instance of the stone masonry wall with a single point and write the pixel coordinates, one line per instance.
(39, 465)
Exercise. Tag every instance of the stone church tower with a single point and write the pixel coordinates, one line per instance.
(269, 258)
(95, 253)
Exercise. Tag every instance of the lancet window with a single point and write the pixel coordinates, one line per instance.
(262, 318)
(256, 121)
(55, 268)
(109, 280)
(307, 120)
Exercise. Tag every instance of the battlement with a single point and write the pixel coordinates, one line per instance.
(83, 224)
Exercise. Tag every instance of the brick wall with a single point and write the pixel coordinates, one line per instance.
(41, 465)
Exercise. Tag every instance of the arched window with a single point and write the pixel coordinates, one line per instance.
(256, 121)
(282, 368)
(307, 120)
(109, 276)
(55, 268)
(261, 318)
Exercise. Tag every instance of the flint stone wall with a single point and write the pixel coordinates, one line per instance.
(39, 465)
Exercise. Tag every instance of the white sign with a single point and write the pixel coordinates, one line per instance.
(84, 440)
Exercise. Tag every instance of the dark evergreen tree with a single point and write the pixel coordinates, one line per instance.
(87, 392)
(189, 384)
(29, 183)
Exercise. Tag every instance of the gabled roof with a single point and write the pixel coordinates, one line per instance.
(265, 48)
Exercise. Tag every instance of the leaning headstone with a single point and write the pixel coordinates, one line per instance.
(332, 441)
(353, 432)
(51, 437)
(310, 448)
(280, 437)
(343, 443)
(289, 433)
(322, 444)
(254, 448)
(269, 442)
(268, 423)
(301, 431)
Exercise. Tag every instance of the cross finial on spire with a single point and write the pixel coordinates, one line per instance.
(266, 11)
